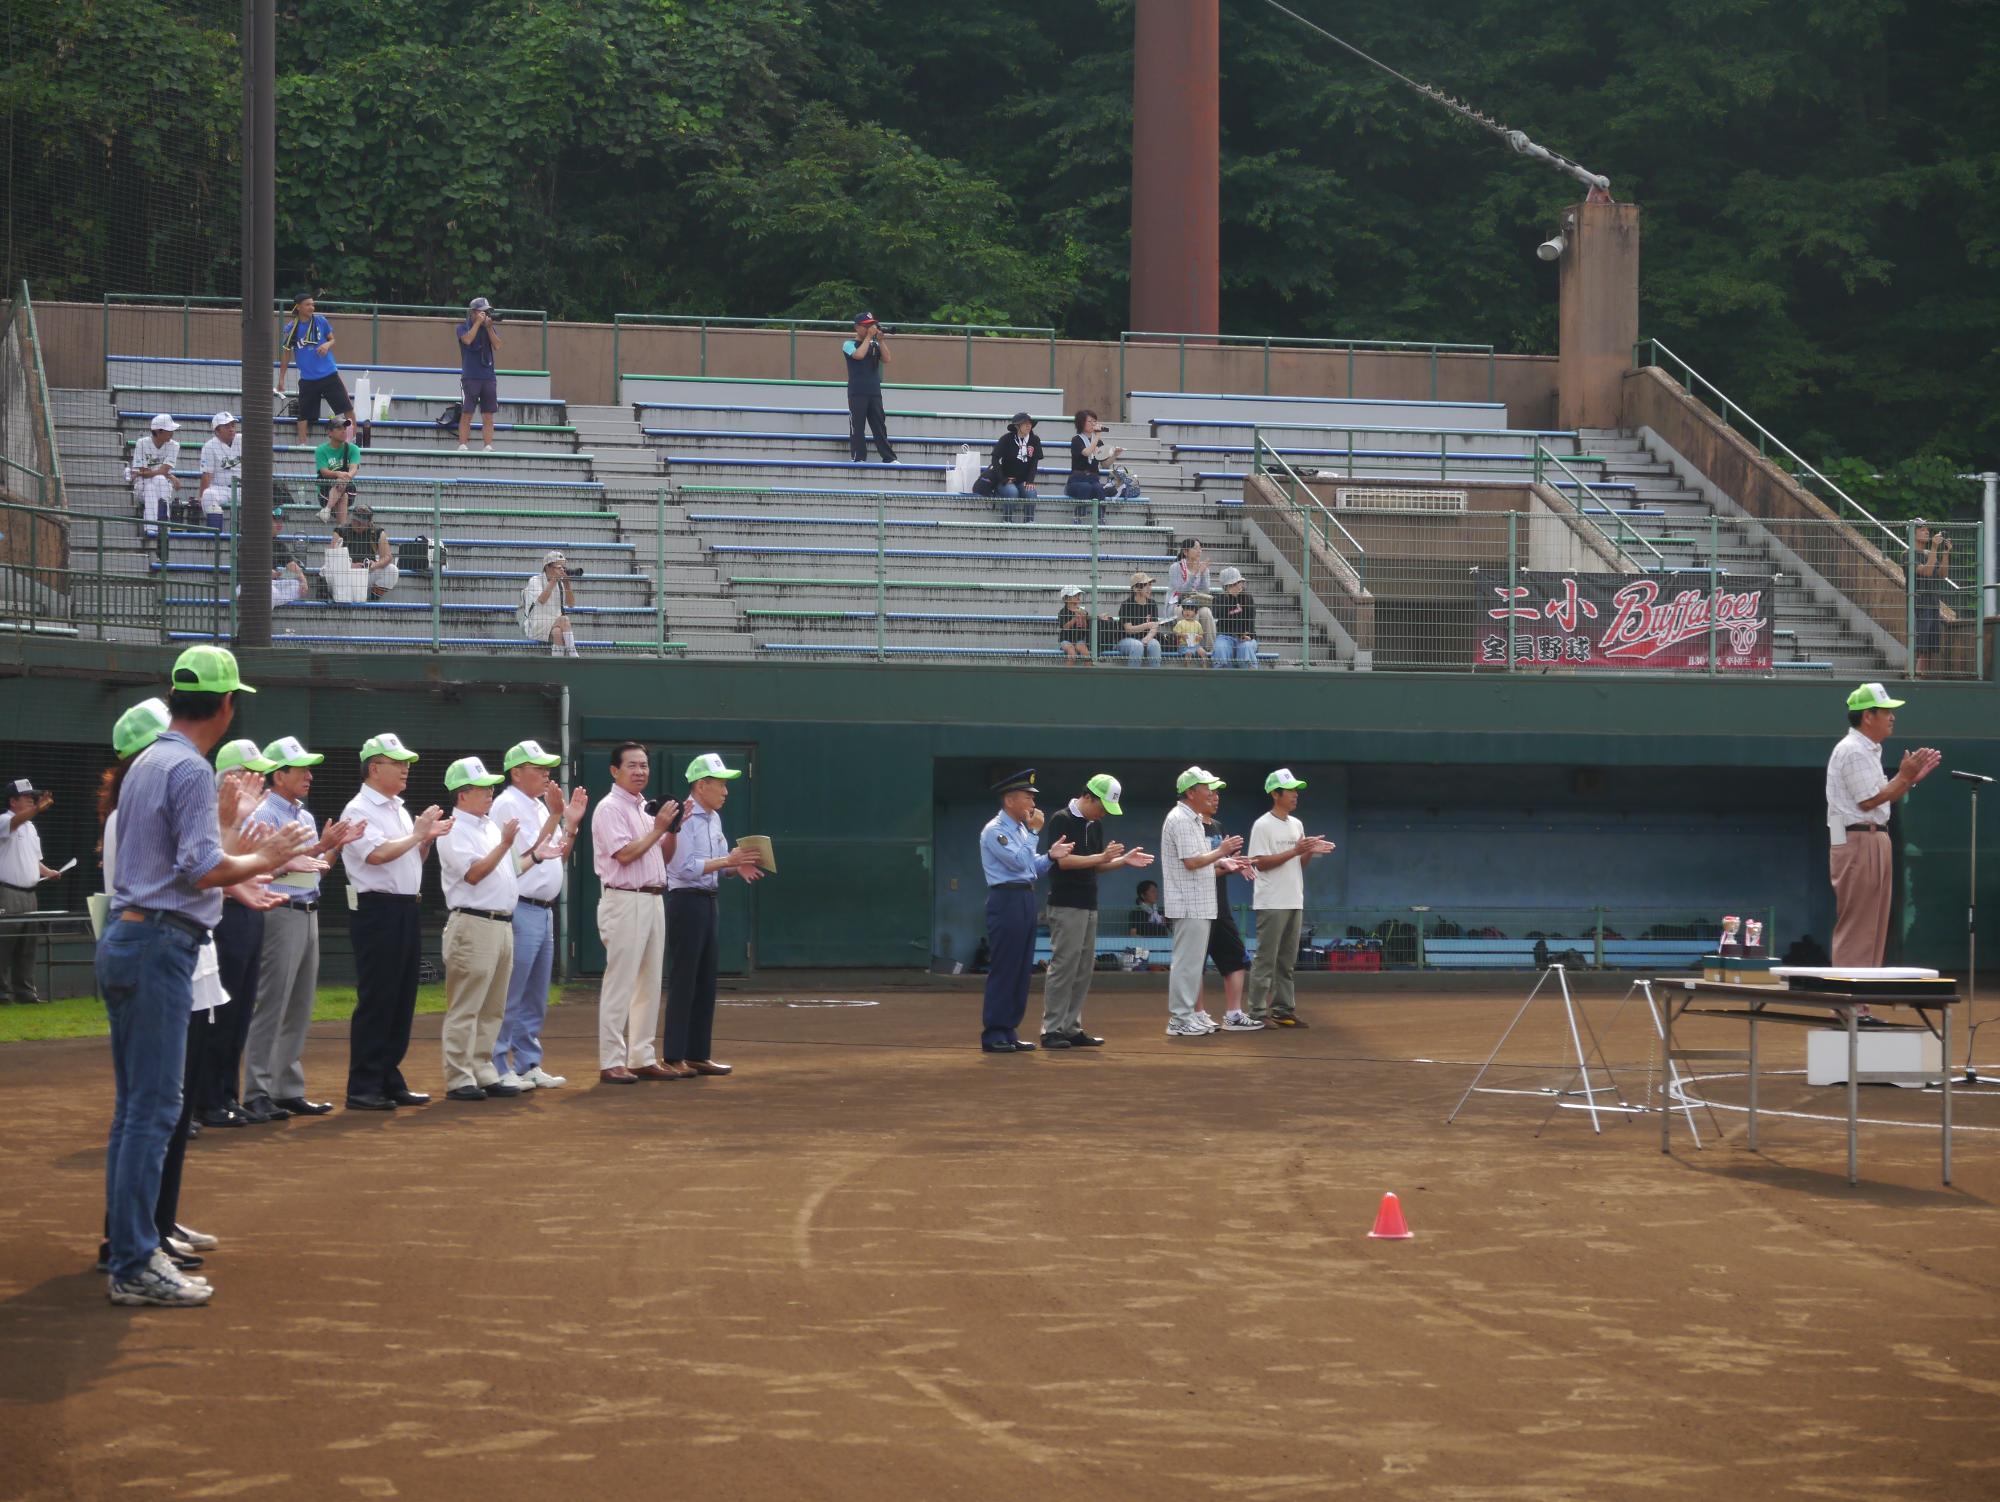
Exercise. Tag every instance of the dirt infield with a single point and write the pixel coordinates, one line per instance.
(879, 1264)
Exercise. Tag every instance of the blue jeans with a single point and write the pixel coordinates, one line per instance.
(1011, 491)
(145, 972)
(1135, 651)
(1235, 651)
(527, 990)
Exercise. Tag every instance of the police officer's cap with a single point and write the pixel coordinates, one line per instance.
(1016, 782)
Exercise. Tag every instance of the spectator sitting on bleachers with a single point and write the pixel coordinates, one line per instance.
(1235, 622)
(1073, 627)
(1088, 450)
(1147, 918)
(544, 598)
(308, 340)
(337, 460)
(1017, 454)
(1188, 574)
(1139, 624)
(154, 460)
(366, 547)
(478, 381)
(1188, 633)
(221, 459)
(288, 582)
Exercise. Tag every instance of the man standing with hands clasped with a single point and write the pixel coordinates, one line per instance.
(517, 1055)
(1073, 906)
(1185, 861)
(21, 871)
(1280, 849)
(1007, 855)
(867, 352)
(1858, 796)
(629, 849)
(701, 859)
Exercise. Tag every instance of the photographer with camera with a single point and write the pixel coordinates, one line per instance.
(478, 381)
(544, 599)
(866, 354)
(1932, 555)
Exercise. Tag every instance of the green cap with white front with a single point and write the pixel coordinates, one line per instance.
(1197, 777)
(244, 753)
(1872, 696)
(139, 727)
(709, 764)
(1107, 790)
(287, 751)
(469, 772)
(1282, 778)
(208, 670)
(387, 745)
(528, 753)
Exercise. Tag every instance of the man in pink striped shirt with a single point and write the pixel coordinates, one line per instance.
(630, 849)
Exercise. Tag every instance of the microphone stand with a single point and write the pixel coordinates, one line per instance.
(1972, 1075)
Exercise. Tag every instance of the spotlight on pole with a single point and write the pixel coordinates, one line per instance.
(1552, 248)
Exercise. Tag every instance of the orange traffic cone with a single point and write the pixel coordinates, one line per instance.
(1389, 1224)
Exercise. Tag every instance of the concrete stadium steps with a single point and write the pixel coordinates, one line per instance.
(1287, 439)
(423, 463)
(225, 376)
(996, 402)
(831, 422)
(200, 403)
(395, 436)
(1355, 412)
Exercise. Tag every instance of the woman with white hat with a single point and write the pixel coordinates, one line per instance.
(544, 598)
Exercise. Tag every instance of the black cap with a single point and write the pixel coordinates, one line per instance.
(1016, 782)
(24, 787)
(1023, 417)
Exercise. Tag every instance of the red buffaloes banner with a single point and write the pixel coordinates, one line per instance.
(1622, 620)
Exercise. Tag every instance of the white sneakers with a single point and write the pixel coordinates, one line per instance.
(161, 1285)
(462, 449)
(515, 1081)
(199, 1241)
(1186, 1027)
(485, 448)
(1207, 1023)
(541, 1079)
(1240, 1022)
(1199, 1024)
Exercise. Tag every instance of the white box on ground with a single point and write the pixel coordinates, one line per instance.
(1910, 1059)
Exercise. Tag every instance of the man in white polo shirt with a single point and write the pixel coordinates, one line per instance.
(1280, 849)
(1858, 796)
(537, 806)
(221, 464)
(21, 871)
(154, 460)
(476, 859)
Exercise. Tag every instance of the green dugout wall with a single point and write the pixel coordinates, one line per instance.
(852, 762)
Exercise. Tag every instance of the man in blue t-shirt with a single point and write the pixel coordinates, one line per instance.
(867, 352)
(307, 341)
(478, 381)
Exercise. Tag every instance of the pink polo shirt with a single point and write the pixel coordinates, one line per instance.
(618, 820)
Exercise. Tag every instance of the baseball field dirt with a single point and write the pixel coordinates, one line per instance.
(877, 1263)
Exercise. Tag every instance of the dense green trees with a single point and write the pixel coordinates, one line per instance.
(1822, 225)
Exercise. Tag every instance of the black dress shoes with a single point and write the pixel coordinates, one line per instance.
(1055, 1040)
(465, 1092)
(1022, 1045)
(502, 1090)
(370, 1103)
(259, 1109)
(1083, 1040)
(1003, 1046)
(298, 1105)
(409, 1097)
(223, 1118)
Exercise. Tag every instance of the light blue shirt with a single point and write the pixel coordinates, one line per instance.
(701, 841)
(167, 837)
(294, 886)
(1007, 852)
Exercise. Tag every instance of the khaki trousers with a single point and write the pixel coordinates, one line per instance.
(1072, 961)
(478, 959)
(1271, 992)
(633, 928)
(1861, 884)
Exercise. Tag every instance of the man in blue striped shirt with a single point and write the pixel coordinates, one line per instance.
(701, 858)
(179, 843)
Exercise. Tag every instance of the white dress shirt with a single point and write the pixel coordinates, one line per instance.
(543, 879)
(471, 839)
(384, 821)
(1185, 893)
(20, 852)
(1853, 772)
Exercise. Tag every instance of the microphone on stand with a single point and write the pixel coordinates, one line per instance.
(1970, 777)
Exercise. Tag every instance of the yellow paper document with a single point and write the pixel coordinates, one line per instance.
(761, 845)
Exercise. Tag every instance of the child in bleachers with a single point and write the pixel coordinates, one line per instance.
(1187, 630)
(1073, 627)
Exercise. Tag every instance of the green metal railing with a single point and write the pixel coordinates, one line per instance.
(1270, 342)
(702, 323)
(1624, 529)
(375, 311)
(1316, 522)
(54, 493)
(1651, 352)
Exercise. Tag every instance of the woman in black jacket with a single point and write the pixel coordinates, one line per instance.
(1016, 457)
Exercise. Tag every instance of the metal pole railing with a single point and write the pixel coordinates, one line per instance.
(881, 576)
(1513, 579)
(660, 572)
(437, 569)
(1714, 586)
(1910, 602)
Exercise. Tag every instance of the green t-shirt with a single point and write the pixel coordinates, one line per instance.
(337, 456)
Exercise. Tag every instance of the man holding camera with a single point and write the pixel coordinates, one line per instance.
(867, 352)
(544, 600)
(1932, 558)
(478, 381)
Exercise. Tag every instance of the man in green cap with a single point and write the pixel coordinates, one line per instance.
(535, 803)
(1280, 849)
(481, 886)
(172, 858)
(1186, 855)
(702, 857)
(1858, 797)
(1073, 906)
(385, 871)
(274, 1077)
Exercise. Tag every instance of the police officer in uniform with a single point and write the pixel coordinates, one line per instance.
(1007, 854)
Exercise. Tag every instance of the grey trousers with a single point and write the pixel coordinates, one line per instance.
(17, 954)
(287, 978)
(1072, 960)
(1271, 992)
(1184, 976)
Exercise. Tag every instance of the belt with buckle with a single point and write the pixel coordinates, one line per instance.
(537, 902)
(638, 891)
(398, 897)
(1867, 829)
(12, 888)
(302, 904)
(181, 921)
(480, 912)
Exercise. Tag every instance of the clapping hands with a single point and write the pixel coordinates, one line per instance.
(1918, 764)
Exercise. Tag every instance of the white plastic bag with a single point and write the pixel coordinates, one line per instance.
(346, 579)
(382, 400)
(964, 470)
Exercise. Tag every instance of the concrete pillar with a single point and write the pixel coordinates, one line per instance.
(1598, 317)
(1176, 167)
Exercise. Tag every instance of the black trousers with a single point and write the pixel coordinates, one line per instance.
(691, 954)
(388, 949)
(1010, 943)
(239, 940)
(865, 408)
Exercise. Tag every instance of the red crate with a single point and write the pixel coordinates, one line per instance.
(1354, 959)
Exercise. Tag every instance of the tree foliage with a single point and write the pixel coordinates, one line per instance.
(1819, 182)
